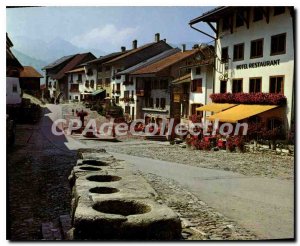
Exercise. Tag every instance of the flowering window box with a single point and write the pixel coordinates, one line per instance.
(249, 98)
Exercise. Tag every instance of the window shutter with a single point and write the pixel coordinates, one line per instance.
(199, 85)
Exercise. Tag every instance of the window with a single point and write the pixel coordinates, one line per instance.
(198, 70)
(79, 77)
(127, 109)
(132, 93)
(107, 82)
(226, 23)
(76, 97)
(151, 102)
(92, 83)
(279, 10)
(157, 102)
(90, 72)
(197, 86)
(87, 83)
(154, 84)
(257, 48)
(255, 85)
(193, 109)
(74, 88)
(117, 100)
(276, 84)
(278, 44)
(238, 52)
(239, 19)
(274, 123)
(237, 85)
(118, 88)
(257, 14)
(126, 94)
(223, 86)
(163, 103)
(71, 77)
(224, 55)
(14, 88)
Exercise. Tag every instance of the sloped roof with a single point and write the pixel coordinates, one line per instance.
(30, 72)
(166, 62)
(132, 52)
(150, 61)
(212, 15)
(58, 62)
(75, 61)
(105, 58)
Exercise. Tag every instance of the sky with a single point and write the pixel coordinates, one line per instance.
(106, 28)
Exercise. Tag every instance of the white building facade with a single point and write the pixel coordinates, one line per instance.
(80, 85)
(255, 51)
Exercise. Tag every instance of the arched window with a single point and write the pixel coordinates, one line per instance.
(87, 83)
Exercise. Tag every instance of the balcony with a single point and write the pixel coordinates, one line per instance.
(127, 99)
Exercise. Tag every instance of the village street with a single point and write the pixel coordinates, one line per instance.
(212, 203)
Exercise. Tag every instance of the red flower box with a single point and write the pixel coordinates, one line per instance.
(249, 98)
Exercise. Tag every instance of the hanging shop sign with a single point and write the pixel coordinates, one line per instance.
(258, 64)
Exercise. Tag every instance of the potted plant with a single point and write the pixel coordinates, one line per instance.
(239, 143)
(229, 144)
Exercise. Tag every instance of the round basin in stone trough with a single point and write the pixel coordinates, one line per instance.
(94, 163)
(103, 190)
(104, 178)
(121, 207)
(90, 168)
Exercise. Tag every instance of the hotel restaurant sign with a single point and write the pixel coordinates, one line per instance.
(258, 64)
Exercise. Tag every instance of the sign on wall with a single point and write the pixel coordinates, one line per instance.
(258, 64)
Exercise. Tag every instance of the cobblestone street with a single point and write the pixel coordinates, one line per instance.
(38, 187)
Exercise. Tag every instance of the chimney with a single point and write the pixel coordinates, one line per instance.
(123, 48)
(134, 44)
(183, 48)
(157, 38)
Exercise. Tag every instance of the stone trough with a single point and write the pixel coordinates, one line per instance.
(110, 202)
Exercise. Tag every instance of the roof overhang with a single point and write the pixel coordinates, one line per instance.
(213, 15)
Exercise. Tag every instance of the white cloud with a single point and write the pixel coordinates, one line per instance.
(109, 35)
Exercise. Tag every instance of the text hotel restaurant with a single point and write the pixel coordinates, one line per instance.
(254, 48)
